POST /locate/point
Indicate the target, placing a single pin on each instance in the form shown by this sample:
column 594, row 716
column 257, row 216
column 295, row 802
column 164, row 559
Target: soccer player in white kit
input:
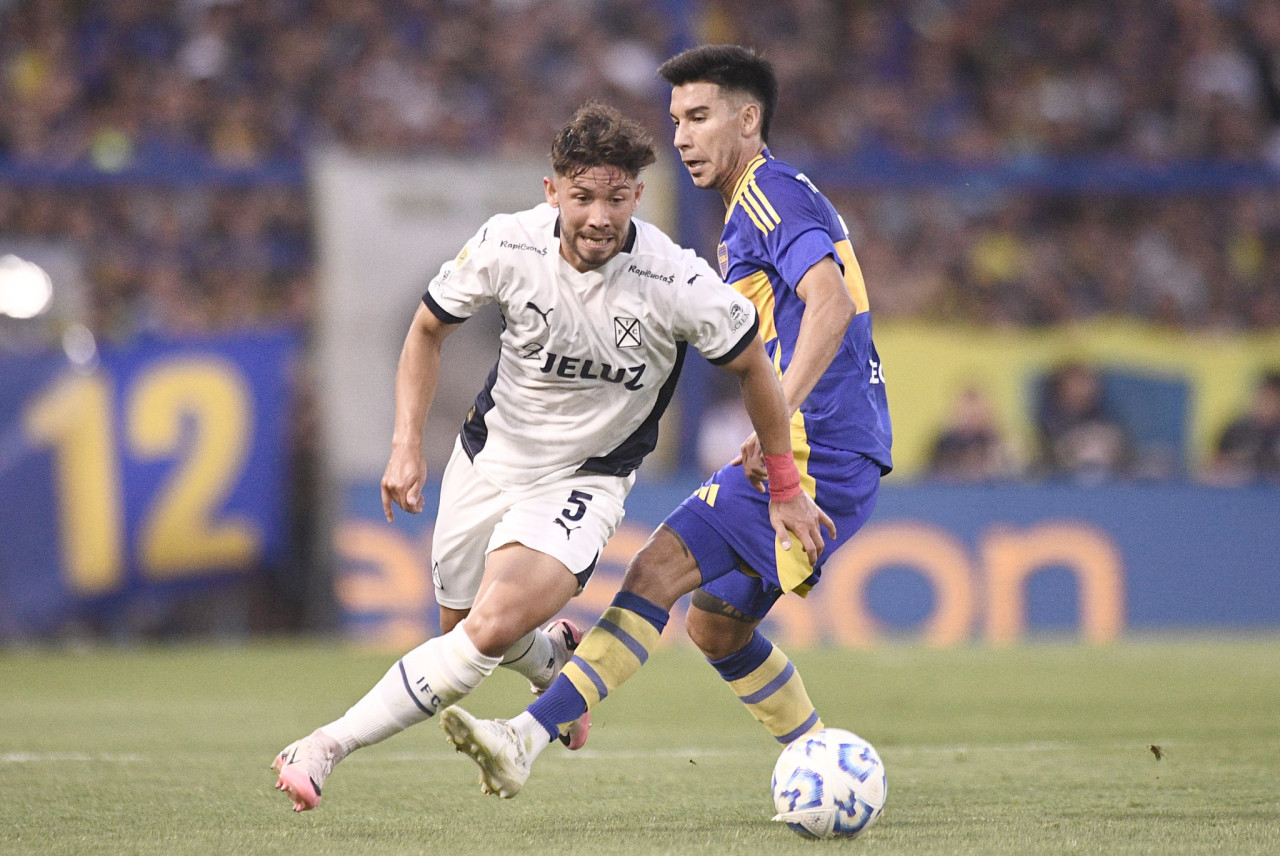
column 598, row 309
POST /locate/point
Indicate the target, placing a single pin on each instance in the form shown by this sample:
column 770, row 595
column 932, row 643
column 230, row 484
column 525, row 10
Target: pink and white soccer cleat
column 303, row 766
column 565, row 636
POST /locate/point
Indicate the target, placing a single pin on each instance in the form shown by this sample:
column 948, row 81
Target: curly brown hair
column 599, row 135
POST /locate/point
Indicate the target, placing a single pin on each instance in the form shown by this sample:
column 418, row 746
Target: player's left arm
column 790, row 509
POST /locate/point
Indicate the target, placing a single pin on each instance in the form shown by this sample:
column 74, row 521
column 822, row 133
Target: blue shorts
column 725, row 524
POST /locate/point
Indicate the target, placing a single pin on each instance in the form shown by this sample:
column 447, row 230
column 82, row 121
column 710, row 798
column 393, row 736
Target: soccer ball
column 829, row 784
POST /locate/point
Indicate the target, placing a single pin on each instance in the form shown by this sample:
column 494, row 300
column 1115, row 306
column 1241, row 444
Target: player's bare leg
column 451, row 618
column 718, row 628
column 521, row 590
column 539, row 655
column 610, row 653
column 523, row 585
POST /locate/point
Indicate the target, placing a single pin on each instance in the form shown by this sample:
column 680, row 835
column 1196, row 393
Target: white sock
column 533, row 656
column 436, row 674
column 530, row 731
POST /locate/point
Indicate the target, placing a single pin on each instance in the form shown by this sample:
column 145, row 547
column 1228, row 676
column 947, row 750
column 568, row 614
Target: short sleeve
column 464, row 284
column 801, row 238
column 711, row 315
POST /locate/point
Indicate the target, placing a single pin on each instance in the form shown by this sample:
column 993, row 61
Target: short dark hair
column 599, row 135
column 731, row 67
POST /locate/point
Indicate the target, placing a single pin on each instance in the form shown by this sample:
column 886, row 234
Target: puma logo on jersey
column 568, row 530
column 531, row 305
column 587, row 369
column 692, row 278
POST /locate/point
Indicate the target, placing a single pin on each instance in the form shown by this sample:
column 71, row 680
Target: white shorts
column 570, row 520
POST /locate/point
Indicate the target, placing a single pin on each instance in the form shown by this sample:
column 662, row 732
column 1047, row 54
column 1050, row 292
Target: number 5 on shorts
column 578, row 505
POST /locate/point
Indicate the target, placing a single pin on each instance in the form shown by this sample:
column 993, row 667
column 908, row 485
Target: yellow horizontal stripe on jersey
column 759, row 291
column 853, row 281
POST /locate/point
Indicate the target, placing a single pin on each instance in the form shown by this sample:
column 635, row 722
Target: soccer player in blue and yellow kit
column 784, row 247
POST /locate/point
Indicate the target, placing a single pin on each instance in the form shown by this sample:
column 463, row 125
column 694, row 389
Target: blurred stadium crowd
column 134, row 92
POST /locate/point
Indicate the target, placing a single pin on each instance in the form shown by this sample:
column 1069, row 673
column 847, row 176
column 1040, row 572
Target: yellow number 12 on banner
column 197, row 412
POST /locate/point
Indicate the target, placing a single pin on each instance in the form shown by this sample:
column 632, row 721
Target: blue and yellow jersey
column 778, row 226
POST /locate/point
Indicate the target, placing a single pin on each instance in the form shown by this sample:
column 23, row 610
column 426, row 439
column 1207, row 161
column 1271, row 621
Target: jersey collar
column 747, row 174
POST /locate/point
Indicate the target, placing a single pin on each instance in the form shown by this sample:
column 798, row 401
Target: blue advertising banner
column 162, row 465
column 943, row 565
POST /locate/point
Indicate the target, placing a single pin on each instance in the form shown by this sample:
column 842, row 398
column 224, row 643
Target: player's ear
column 549, row 189
column 639, row 190
column 751, row 117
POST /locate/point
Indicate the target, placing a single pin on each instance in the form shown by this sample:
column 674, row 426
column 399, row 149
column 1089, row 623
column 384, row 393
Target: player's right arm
column 416, row 378
column 828, row 311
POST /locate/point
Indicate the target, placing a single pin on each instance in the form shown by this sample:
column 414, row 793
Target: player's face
column 717, row 135
column 595, row 213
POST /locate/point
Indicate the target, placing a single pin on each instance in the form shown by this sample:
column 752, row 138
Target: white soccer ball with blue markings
column 829, row 784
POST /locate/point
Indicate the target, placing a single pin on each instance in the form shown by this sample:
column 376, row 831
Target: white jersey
column 588, row 361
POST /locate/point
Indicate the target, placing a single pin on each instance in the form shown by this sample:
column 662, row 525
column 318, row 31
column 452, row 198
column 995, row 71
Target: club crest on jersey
column 737, row 316
column 722, row 256
column 626, row 332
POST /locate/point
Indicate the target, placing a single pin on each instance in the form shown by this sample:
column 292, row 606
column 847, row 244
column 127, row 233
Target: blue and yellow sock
column 608, row 655
column 766, row 681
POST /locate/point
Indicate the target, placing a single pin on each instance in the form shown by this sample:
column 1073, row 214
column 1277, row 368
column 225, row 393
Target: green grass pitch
column 1042, row 748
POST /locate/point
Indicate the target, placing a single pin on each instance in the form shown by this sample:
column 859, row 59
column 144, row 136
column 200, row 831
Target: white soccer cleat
column 565, row 636
column 495, row 747
column 303, row 766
